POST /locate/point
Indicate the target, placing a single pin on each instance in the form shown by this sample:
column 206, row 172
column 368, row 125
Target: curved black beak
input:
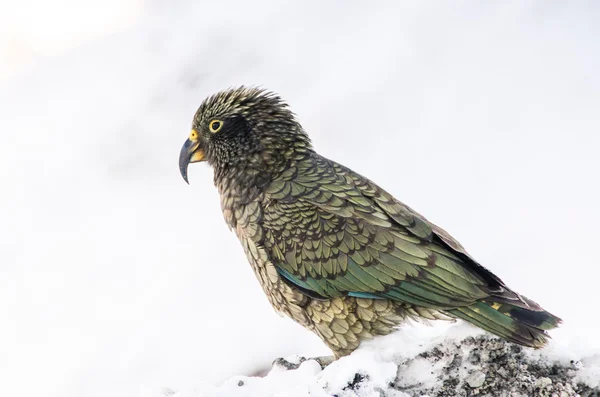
column 191, row 152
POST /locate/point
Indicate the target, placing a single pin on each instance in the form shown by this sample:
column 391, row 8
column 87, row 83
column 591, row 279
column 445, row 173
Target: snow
column 278, row 383
column 377, row 366
column 586, row 356
column 119, row 279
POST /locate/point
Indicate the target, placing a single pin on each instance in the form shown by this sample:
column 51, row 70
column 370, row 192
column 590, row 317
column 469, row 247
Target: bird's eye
column 215, row 126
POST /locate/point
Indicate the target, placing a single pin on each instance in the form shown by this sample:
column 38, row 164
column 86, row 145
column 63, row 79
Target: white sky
column 33, row 28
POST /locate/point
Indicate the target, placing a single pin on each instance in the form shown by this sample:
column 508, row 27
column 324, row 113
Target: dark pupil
column 215, row 125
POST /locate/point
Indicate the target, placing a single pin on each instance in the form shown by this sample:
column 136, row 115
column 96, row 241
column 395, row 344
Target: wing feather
column 333, row 232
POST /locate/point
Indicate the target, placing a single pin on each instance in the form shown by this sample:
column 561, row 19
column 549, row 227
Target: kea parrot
column 330, row 248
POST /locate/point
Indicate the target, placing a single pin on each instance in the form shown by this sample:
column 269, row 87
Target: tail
column 522, row 324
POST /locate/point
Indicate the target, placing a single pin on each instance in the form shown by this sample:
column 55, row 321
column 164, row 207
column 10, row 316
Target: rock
column 543, row 382
column 476, row 379
column 488, row 366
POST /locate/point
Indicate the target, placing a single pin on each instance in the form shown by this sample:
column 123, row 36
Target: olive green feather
column 332, row 249
column 377, row 247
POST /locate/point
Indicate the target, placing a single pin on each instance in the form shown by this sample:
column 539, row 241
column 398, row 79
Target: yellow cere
column 193, row 136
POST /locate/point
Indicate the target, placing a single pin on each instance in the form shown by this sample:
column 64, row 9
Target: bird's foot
column 323, row 361
column 288, row 365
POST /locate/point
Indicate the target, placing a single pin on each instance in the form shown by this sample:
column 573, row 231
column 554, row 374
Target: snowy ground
column 441, row 361
column 117, row 278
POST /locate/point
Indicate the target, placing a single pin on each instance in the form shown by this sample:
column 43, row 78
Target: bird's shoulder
column 317, row 183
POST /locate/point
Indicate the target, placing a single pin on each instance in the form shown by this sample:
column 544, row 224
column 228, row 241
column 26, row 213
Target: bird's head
column 243, row 129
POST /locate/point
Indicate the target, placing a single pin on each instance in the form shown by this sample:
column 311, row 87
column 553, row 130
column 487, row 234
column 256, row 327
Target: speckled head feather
column 257, row 131
column 247, row 101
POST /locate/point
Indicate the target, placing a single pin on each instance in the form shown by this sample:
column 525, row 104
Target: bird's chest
column 242, row 217
column 246, row 219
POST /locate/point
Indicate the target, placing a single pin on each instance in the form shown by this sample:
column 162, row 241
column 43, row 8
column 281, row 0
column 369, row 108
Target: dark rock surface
column 487, row 366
